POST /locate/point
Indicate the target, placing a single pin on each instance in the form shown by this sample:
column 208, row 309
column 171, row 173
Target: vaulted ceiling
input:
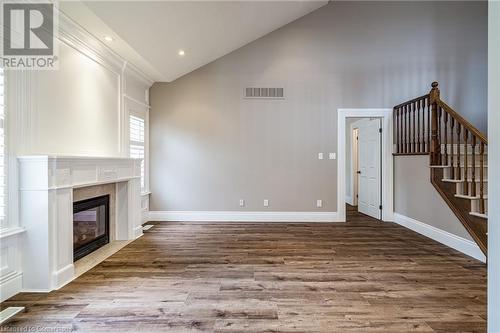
column 150, row 34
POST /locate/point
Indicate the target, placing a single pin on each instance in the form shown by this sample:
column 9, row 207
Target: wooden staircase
column 458, row 157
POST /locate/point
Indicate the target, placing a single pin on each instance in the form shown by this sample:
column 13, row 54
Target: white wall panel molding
column 10, row 270
column 20, row 110
column 11, row 231
column 136, row 101
column 19, row 136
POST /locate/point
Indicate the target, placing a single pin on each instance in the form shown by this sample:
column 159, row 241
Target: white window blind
column 3, row 183
column 137, row 143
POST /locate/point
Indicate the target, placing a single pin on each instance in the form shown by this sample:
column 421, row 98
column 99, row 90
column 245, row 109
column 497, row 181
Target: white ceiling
column 150, row 33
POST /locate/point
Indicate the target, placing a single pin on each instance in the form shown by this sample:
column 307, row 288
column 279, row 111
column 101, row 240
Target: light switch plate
column 332, row 156
column 320, row 156
column 266, row 203
column 242, row 203
column 319, row 203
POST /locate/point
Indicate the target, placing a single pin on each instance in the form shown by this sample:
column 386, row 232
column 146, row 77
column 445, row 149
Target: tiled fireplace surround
column 49, row 187
column 89, row 192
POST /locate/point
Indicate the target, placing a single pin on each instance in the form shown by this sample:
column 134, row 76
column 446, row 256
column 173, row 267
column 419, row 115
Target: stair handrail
column 481, row 136
column 436, row 106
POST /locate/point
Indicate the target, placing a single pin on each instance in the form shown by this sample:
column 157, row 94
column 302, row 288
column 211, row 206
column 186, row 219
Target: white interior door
column 369, row 172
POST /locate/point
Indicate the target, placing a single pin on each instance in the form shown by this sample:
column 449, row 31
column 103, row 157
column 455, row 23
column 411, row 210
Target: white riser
column 462, row 160
column 462, row 148
column 447, row 173
column 475, row 206
column 460, row 189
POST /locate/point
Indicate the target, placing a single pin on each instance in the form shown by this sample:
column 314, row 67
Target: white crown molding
column 83, row 41
column 134, row 71
column 458, row 243
column 238, row 216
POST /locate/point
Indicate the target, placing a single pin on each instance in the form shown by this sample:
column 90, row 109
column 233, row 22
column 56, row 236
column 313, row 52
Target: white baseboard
column 348, row 199
column 63, row 276
column 144, row 216
column 238, row 216
column 458, row 243
column 41, row 291
column 10, row 285
column 138, row 232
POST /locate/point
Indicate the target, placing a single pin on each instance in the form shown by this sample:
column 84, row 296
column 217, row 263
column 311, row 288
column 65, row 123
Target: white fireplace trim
column 46, row 210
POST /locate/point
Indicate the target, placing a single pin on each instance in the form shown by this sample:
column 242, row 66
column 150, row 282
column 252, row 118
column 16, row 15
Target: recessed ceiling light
column 108, row 38
column 181, row 53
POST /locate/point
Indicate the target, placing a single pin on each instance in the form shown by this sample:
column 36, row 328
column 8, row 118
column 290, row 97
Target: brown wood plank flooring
column 362, row 276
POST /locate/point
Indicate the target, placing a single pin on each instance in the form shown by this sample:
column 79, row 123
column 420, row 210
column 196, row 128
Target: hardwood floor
column 361, row 276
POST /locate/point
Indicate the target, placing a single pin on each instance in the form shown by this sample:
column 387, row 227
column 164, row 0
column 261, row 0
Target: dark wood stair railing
column 458, row 156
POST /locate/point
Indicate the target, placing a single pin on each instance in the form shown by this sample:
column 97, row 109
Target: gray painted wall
column 422, row 203
column 210, row 147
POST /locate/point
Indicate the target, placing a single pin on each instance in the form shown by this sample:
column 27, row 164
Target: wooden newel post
column 435, row 144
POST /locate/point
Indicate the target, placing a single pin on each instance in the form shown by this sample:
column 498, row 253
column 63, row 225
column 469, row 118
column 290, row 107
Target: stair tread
column 484, row 216
column 463, row 153
column 464, row 196
column 455, row 166
column 469, row 180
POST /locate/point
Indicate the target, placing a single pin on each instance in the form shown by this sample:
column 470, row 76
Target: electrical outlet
column 266, row 203
column 332, row 156
column 320, row 156
column 242, row 203
column 319, row 203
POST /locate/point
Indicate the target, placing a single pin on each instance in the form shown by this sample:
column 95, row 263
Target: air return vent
column 272, row 93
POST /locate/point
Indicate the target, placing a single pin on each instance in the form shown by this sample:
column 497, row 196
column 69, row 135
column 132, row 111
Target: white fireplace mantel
column 46, row 206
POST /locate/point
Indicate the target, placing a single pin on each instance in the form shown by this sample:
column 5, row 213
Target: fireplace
column 90, row 225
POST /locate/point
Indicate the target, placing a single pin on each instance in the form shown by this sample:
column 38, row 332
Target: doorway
column 375, row 191
column 364, row 150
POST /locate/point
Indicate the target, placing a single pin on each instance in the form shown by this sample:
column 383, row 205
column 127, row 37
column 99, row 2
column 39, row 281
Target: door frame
column 387, row 161
column 353, row 182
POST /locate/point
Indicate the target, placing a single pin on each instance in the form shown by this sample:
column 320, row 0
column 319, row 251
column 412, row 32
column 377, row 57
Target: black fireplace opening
column 90, row 225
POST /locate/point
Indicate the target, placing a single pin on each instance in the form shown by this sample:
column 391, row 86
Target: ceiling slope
column 150, row 34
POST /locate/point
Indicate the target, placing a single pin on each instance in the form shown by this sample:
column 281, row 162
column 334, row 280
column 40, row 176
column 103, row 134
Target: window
column 3, row 175
column 137, row 144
